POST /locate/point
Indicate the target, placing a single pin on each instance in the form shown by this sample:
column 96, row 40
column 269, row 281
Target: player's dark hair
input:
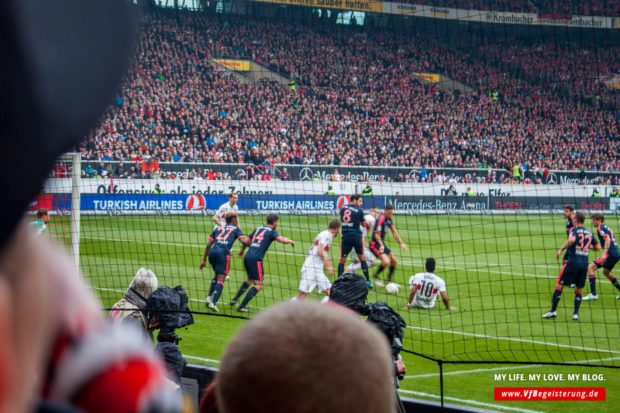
column 272, row 219
column 430, row 264
column 569, row 207
column 355, row 197
column 231, row 219
column 41, row 213
column 233, row 193
column 599, row 217
column 334, row 224
column 389, row 207
column 580, row 217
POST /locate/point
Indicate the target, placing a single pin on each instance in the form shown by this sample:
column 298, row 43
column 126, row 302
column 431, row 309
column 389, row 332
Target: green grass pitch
column 500, row 272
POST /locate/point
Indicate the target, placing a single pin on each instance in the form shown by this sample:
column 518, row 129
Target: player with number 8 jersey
column 352, row 219
column 576, row 268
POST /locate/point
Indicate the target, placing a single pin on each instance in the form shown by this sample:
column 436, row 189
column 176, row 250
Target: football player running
column 312, row 274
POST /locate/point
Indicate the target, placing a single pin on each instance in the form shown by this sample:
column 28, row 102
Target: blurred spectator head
column 313, row 358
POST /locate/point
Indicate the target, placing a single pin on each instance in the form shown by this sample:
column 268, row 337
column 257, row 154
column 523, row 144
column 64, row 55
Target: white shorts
column 312, row 278
column 367, row 255
column 421, row 304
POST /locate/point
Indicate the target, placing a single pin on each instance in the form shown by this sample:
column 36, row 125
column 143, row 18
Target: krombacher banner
column 239, row 65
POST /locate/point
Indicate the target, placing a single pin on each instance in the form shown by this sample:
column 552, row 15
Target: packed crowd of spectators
column 579, row 8
column 575, row 69
column 357, row 103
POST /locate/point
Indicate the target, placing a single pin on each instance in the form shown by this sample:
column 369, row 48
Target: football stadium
column 441, row 179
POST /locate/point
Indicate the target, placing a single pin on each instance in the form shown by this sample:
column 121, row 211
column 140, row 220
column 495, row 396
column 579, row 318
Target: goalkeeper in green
column 40, row 224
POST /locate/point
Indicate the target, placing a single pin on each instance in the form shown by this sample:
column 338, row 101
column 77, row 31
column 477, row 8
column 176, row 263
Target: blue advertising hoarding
column 194, row 202
column 320, row 203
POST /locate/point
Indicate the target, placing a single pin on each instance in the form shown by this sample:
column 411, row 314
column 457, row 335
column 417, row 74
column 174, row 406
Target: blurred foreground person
column 61, row 350
column 59, row 355
column 304, row 357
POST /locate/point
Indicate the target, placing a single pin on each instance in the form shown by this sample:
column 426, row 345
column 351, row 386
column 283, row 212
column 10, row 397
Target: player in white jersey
column 312, row 275
column 370, row 219
column 425, row 287
column 225, row 210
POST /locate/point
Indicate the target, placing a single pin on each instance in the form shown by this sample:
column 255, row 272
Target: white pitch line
column 124, row 291
column 411, row 263
column 195, row 300
column 467, row 401
column 522, row 366
column 522, row 340
column 202, row 359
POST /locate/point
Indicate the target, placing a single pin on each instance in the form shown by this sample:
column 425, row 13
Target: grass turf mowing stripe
column 522, row 340
column 295, row 254
column 522, row 366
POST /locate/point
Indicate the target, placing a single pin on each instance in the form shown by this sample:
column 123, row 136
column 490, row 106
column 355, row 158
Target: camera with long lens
column 166, row 336
column 167, row 310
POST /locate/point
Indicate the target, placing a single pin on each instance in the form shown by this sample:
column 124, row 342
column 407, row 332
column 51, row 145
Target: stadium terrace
column 517, row 110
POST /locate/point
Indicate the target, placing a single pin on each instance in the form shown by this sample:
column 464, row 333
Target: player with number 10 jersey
column 425, row 287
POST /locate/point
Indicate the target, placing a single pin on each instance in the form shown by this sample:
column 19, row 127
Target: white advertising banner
column 147, row 186
column 481, row 16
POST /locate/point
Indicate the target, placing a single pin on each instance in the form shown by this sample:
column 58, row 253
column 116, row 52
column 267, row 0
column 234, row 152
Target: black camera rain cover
column 167, row 308
column 388, row 321
column 349, row 290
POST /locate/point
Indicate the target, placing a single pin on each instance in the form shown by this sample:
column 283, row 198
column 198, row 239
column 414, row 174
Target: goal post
column 75, row 207
column 74, row 160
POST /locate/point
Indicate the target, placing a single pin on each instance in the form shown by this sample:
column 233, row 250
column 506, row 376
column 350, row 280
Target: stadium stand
column 354, row 104
column 581, row 8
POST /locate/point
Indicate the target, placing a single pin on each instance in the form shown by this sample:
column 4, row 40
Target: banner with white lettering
column 323, row 203
column 314, row 188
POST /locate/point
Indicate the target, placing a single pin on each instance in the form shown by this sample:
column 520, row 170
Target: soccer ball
column 391, row 288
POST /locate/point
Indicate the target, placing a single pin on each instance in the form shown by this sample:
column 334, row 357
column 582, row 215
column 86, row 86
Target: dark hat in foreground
column 64, row 61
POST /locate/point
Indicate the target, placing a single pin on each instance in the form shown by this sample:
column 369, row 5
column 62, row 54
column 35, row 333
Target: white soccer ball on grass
column 391, row 288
